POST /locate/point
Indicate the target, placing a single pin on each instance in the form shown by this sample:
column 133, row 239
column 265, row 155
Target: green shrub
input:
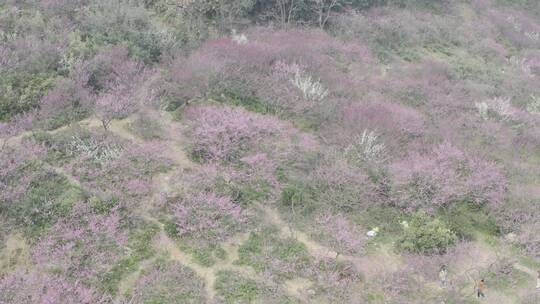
column 64, row 118
column 239, row 92
column 103, row 206
column 236, row 289
column 296, row 197
column 244, row 194
column 468, row 66
column 49, row 197
column 466, row 219
column 172, row 103
column 170, row 229
column 424, row 234
column 140, row 241
column 250, row 102
column 117, row 23
column 146, row 127
column 21, row 93
column 203, row 255
column 264, row 247
column 386, row 218
column 111, row 280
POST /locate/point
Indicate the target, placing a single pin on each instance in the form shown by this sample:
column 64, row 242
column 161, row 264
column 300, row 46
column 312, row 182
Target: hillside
column 278, row 151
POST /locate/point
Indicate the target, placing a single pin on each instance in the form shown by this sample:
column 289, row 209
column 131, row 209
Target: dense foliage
column 268, row 151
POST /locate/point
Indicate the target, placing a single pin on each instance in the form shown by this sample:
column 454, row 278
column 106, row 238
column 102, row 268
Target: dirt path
column 297, row 287
column 15, row 254
column 60, row 171
column 382, row 262
column 164, row 185
column 479, row 258
column 287, row 230
column 173, row 134
column 166, row 245
column 129, row 281
column 526, row 270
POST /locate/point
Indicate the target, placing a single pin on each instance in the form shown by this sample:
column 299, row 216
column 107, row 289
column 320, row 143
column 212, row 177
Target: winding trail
column 372, row 265
column 526, row 270
column 287, row 230
column 15, row 254
column 164, row 183
column 129, row 281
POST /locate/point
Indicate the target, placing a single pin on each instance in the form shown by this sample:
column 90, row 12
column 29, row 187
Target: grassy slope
column 224, row 278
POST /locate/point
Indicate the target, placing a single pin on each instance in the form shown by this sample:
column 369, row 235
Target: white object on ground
column 239, row 38
column 511, row 237
column 373, row 232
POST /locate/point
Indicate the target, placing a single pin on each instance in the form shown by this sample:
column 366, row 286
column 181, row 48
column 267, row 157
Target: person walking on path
column 481, row 289
column 443, row 276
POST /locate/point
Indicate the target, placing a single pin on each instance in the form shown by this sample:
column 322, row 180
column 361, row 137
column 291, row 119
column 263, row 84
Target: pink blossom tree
column 223, row 67
column 167, row 282
column 68, row 101
column 112, row 167
column 445, row 175
column 398, row 121
column 225, row 134
column 341, row 234
column 82, row 245
column 115, row 104
column 207, row 217
column 334, row 281
column 17, row 124
column 341, row 184
column 14, row 177
column 44, row 288
column 113, row 79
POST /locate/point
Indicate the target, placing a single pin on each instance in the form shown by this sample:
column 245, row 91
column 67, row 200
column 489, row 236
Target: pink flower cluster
column 335, row 281
column 112, row 78
column 226, row 134
column 83, row 244
column 18, row 124
column 342, row 235
column 223, row 64
column 207, row 216
column 42, row 288
column 14, row 178
column 387, row 117
column 67, row 95
column 445, row 175
column 167, row 282
column 127, row 174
